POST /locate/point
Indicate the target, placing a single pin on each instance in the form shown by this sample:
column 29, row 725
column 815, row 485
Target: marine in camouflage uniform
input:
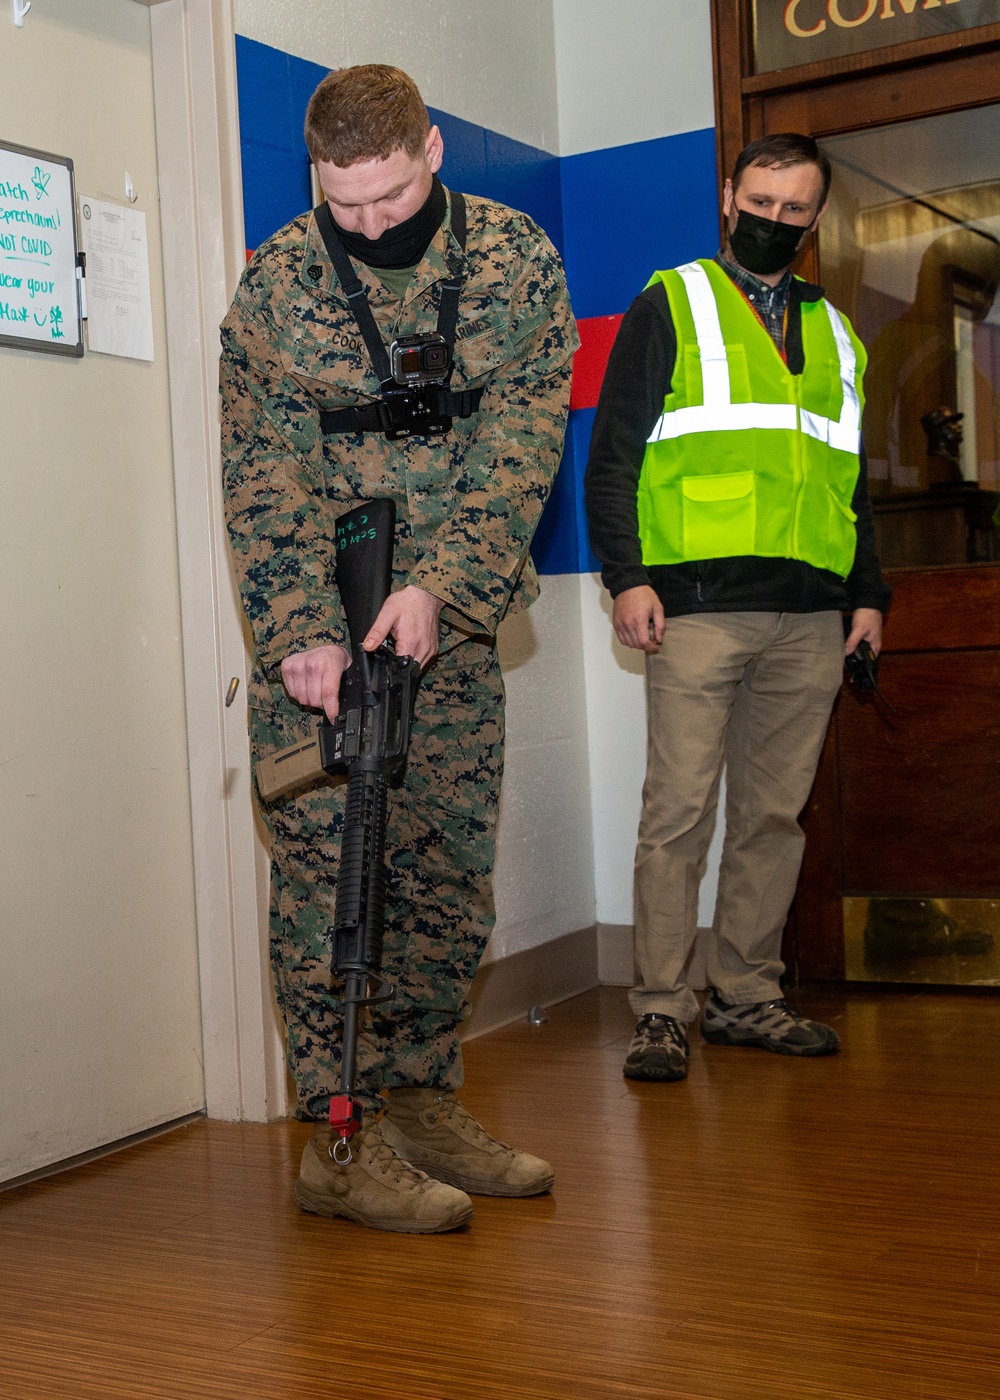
column 466, row 508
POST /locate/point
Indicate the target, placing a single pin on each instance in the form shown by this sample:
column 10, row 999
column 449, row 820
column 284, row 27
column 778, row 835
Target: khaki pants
column 751, row 691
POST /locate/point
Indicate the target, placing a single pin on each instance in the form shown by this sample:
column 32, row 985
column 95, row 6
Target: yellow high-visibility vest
column 746, row 457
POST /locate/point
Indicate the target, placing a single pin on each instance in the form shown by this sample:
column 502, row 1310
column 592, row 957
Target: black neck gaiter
column 404, row 245
column 764, row 246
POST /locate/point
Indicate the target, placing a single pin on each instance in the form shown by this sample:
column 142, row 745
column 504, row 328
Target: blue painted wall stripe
column 480, row 161
column 632, row 209
column 561, row 544
column 273, row 90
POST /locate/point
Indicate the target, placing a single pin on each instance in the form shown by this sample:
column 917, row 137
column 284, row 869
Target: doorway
column 900, row 881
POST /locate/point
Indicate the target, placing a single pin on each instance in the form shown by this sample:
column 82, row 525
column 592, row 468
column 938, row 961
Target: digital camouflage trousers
column 440, row 844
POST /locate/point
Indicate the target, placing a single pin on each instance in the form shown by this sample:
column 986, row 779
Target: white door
column 100, row 1030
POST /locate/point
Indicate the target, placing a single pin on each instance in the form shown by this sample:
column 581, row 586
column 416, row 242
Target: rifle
column 369, row 741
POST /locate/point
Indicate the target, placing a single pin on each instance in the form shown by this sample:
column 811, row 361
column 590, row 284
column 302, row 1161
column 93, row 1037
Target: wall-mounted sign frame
column 40, row 273
column 787, row 33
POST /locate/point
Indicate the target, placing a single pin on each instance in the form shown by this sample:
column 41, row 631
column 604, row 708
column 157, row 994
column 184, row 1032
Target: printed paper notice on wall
column 120, row 312
column 39, row 291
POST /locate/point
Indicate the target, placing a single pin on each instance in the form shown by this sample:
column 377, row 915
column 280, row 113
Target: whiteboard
column 39, row 289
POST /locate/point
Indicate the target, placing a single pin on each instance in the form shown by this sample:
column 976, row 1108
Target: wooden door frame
column 204, row 252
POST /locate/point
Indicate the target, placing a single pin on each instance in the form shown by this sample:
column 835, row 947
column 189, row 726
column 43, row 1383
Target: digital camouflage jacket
column 466, row 504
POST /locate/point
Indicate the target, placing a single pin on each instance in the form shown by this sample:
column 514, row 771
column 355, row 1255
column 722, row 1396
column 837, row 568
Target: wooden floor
column 770, row 1230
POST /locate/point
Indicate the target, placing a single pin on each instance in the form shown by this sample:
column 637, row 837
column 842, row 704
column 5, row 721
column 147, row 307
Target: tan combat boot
column 431, row 1129
column 377, row 1187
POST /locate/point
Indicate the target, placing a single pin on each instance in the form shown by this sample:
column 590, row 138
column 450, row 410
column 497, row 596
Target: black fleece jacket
column 637, row 381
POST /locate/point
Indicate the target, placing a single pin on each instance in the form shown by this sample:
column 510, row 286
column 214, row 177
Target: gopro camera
column 421, row 366
column 420, row 359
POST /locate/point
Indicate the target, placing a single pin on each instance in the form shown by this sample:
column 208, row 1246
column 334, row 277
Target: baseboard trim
column 616, row 959
column 506, row 990
column 82, row 1158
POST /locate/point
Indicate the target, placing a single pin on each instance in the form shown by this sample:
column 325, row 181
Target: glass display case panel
column 910, row 249
column 946, row 942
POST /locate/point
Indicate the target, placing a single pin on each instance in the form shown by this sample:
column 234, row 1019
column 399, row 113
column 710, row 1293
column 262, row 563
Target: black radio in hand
column 861, row 666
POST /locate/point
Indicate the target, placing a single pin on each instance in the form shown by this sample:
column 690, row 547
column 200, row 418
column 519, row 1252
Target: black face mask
column 763, row 246
column 406, row 244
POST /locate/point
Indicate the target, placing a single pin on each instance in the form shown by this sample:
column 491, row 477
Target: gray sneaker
column 659, row 1049
column 772, row 1025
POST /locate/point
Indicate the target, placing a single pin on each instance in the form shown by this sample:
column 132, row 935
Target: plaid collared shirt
column 770, row 303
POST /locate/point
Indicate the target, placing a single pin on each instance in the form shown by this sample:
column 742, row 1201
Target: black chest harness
column 415, row 372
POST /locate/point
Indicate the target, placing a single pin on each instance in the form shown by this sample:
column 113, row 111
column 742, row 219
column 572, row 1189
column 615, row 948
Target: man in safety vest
column 728, row 504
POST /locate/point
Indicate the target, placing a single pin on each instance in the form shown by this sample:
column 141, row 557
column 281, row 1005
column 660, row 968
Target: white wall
column 631, row 70
column 204, row 252
column 628, row 70
column 616, row 744
column 544, row 872
column 491, row 63
column 100, row 1032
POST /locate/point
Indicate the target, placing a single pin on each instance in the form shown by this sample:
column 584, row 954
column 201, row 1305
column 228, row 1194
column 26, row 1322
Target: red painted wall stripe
column 597, row 335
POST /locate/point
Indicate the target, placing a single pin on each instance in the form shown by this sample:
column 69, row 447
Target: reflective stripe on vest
column 717, row 413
